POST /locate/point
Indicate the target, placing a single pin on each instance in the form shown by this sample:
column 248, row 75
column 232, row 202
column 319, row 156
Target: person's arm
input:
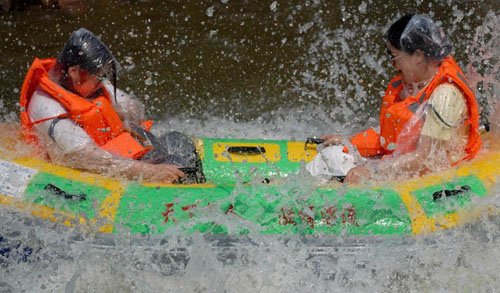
column 91, row 158
column 69, row 144
column 79, row 151
column 332, row 139
column 446, row 111
column 366, row 142
column 409, row 164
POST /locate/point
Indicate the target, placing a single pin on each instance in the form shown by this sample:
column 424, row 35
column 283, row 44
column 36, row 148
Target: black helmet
column 88, row 52
column 85, row 50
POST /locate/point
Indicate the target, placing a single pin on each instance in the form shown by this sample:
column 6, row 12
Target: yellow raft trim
column 200, row 149
column 297, row 152
column 485, row 168
column 42, row 212
column 108, row 207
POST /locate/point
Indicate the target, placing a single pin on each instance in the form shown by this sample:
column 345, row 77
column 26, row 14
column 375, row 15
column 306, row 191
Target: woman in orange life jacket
column 429, row 115
column 71, row 110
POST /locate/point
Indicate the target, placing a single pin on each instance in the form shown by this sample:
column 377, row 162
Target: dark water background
column 239, row 60
column 306, row 66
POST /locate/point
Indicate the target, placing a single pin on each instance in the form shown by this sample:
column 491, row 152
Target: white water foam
column 66, row 259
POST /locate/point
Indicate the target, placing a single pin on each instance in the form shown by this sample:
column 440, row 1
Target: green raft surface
column 229, row 204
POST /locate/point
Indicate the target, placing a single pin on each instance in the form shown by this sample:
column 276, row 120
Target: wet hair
column 419, row 32
column 393, row 34
column 84, row 49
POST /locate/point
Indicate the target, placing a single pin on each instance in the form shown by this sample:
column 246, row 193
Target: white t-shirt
column 445, row 122
column 449, row 103
column 65, row 133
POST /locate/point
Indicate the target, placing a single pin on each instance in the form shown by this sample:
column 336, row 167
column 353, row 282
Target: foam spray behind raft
column 68, row 259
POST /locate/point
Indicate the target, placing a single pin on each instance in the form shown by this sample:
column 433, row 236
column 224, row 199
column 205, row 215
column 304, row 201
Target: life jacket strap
column 61, row 116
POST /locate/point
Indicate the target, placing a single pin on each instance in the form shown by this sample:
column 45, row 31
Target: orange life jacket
column 395, row 114
column 96, row 117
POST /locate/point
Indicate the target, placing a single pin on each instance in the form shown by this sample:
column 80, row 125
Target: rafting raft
column 238, row 198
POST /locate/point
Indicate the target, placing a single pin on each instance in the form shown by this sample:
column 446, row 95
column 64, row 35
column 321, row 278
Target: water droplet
column 274, row 6
column 210, row 11
column 213, row 33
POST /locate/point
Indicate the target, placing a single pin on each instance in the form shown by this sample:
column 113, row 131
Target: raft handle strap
column 246, row 150
column 57, row 191
column 450, row 192
column 313, row 140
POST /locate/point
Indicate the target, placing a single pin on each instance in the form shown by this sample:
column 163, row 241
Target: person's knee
column 179, row 142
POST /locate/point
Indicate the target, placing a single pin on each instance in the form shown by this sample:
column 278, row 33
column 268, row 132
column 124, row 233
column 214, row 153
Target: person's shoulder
column 448, row 103
column 42, row 105
column 41, row 96
column 447, row 93
column 448, row 88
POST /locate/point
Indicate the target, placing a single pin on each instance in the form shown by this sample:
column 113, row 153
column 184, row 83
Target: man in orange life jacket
column 71, row 110
column 429, row 116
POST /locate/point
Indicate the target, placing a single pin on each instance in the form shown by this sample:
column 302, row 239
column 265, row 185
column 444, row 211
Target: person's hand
column 164, row 173
column 331, row 139
column 357, row 174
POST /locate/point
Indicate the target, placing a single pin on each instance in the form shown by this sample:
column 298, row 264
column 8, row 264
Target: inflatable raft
column 238, row 198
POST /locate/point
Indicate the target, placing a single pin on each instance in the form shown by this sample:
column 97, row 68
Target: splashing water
column 319, row 91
